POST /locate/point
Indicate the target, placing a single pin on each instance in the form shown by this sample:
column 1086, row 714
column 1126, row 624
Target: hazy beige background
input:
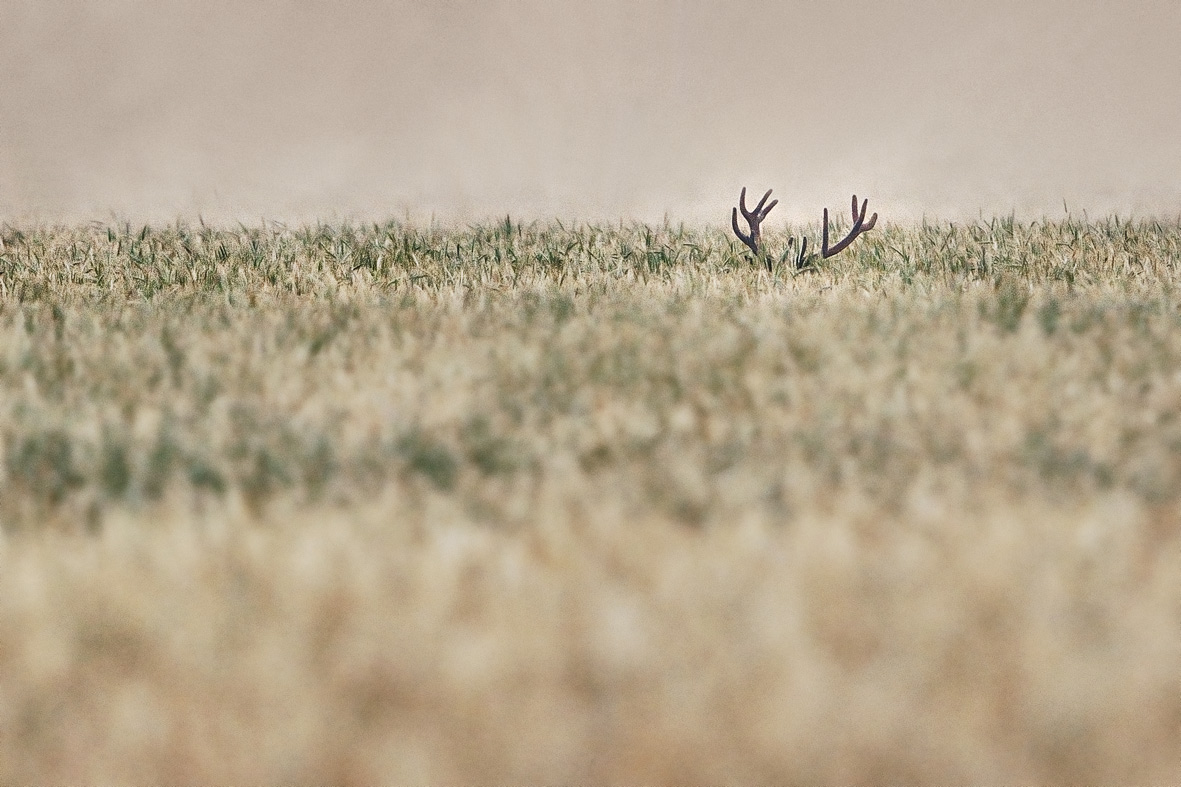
column 464, row 109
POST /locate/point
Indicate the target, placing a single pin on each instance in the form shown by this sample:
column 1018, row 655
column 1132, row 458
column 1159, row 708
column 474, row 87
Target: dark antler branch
column 860, row 225
column 802, row 257
column 754, row 218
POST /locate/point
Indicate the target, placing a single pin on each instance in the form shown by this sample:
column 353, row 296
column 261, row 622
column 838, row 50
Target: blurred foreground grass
column 608, row 503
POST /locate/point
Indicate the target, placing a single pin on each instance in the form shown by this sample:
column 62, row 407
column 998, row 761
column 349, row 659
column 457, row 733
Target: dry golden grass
column 595, row 504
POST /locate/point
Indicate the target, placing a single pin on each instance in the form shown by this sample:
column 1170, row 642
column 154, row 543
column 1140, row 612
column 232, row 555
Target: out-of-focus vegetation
column 597, row 503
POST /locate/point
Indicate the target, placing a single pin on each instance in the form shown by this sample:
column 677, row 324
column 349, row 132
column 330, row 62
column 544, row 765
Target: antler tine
column 861, row 217
column 859, row 226
column 758, row 212
column 763, row 201
column 753, row 218
column 747, row 239
column 824, row 238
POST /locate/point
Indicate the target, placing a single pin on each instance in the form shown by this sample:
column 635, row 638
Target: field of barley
column 546, row 503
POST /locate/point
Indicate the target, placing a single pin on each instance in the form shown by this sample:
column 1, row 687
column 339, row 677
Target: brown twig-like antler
column 753, row 218
column 860, row 225
column 803, row 262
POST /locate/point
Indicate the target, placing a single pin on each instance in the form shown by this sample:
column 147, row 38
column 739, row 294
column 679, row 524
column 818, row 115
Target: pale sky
column 467, row 109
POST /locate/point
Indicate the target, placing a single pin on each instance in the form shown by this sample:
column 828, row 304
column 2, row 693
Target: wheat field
column 547, row 503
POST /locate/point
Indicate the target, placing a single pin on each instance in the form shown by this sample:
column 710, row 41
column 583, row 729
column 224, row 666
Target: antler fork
column 859, row 226
column 753, row 218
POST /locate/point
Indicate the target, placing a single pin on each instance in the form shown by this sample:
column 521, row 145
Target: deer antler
column 801, row 258
column 753, row 218
column 859, row 226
